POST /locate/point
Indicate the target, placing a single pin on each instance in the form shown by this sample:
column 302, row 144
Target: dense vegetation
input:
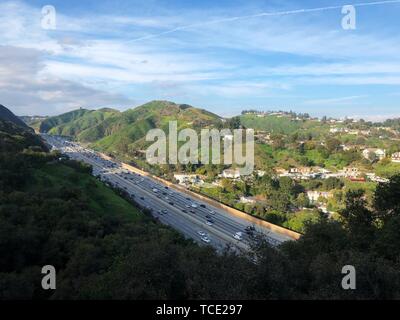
column 54, row 212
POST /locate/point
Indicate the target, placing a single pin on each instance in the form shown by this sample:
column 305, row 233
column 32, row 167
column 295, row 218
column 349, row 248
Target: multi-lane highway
column 199, row 221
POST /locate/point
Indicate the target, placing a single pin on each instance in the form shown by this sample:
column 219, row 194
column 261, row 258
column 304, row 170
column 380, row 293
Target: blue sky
column 219, row 55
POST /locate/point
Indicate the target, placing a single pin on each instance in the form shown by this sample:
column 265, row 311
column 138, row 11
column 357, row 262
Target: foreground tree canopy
column 54, row 212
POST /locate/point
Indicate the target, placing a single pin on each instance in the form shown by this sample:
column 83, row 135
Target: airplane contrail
column 262, row 14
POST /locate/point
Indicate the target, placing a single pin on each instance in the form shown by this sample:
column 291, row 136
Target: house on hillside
column 281, row 171
column 301, row 170
column 370, row 153
column 351, row 172
column 315, row 196
column 396, row 157
column 230, row 174
column 247, row 200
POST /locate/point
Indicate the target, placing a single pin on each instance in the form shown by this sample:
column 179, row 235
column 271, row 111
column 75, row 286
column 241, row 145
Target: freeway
column 196, row 220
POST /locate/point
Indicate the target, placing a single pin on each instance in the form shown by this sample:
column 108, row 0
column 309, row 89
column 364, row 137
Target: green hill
column 74, row 122
column 7, row 115
column 124, row 132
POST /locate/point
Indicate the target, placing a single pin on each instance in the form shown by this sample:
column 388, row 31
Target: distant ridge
column 7, row 115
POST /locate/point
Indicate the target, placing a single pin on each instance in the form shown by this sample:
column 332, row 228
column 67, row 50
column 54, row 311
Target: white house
column 230, row 174
column 378, row 153
column 247, row 200
column 314, row 196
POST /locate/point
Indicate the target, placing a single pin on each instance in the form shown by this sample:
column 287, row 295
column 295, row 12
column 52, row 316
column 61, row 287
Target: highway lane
column 178, row 205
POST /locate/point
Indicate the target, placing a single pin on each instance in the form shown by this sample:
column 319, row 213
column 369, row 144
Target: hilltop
column 7, row 115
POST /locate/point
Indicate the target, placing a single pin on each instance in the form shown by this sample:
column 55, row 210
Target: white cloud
column 27, row 90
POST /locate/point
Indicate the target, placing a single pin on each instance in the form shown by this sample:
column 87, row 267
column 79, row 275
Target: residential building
column 396, row 157
column 230, row 174
column 351, row 172
column 370, row 153
column 314, row 196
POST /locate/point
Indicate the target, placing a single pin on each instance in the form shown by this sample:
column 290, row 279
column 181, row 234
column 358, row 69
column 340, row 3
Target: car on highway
column 205, row 239
column 209, row 222
column 194, row 205
column 202, row 233
column 250, row 229
column 164, row 211
column 238, row 235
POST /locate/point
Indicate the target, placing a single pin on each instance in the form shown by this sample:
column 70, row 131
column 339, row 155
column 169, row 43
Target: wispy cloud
column 333, row 101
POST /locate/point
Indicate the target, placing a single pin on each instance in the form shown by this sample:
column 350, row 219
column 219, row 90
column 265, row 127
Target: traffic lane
column 220, row 226
column 116, row 180
column 182, row 205
column 180, row 201
column 228, row 220
column 213, row 232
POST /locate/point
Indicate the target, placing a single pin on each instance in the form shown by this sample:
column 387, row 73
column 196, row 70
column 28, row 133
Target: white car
column 238, row 236
column 209, row 223
column 194, row 205
column 202, row 233
column 205, row 239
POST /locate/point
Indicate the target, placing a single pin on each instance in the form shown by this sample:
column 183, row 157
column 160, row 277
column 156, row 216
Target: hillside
column 278, row 124
column 7, row 115
column 74, row 122
column 124, row 132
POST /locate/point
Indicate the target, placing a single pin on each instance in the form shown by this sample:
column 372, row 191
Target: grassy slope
column 101, row 199
column 127, row 131
column 85, row 121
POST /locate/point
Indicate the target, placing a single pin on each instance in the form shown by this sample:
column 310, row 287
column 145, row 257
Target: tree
column 332, row 183
column 302, row 201
column 234, row 123
column 387, row 198
column 358, row 219
column 333, row 145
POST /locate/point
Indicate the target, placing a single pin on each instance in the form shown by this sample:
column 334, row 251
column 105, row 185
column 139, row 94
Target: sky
column 223, row 56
